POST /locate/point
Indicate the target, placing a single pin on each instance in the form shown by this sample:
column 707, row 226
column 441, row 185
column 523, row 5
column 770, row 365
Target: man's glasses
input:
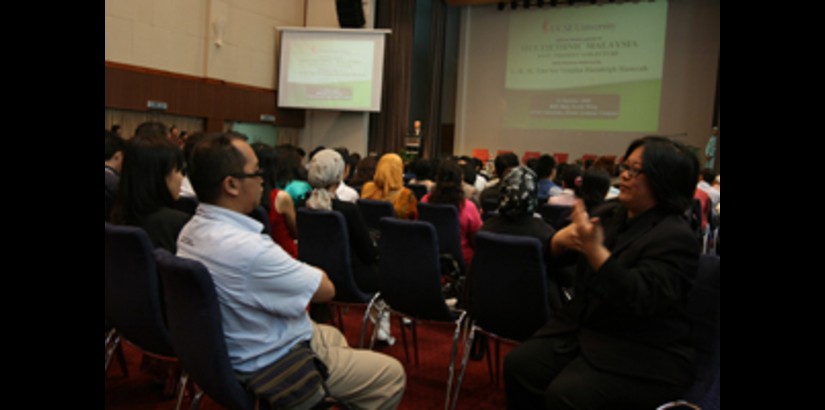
column 259, row 174
column 633, row 172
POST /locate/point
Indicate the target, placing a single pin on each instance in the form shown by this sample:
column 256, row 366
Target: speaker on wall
column 350, row 13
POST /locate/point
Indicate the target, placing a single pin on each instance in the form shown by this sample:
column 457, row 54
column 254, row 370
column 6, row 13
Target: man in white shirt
column 262, row 291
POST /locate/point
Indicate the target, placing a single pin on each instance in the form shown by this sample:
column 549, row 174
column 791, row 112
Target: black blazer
column 630, row 316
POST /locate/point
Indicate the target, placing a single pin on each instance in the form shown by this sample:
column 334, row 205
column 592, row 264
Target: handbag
column 295, row 381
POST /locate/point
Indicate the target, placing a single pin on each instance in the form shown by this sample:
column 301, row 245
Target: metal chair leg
column 184, row 378
column 404, row 337
column 453, row 353
column 366, row 318
column 467, row 346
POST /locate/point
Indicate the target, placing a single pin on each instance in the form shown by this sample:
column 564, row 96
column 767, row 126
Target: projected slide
column 331, row 69
column 586, row 68
column 331, row 74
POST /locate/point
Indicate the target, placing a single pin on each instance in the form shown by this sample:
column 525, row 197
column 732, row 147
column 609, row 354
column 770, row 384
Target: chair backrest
column 508, row 288
column 373, row 211
column 557, row 216
column 528, row 155
column 323, row 241
column 561, row 157
column 418, row 190
column 703, row 309
column 197, row 330
column 410, row 270
column 445, row 220
column 132, row 290
column 261, row 216
column 483, row 154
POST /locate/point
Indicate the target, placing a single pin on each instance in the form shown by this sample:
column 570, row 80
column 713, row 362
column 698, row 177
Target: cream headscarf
column 326, row 168
column 389, row 176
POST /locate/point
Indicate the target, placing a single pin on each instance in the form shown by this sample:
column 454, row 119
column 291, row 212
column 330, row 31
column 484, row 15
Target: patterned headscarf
column 326, row 168
column 518, row 195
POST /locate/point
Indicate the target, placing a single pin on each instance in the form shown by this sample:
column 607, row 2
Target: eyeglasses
column 632, row 172
column 259, row 174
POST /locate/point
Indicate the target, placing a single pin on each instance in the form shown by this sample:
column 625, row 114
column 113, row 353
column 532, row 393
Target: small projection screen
column 332, row 69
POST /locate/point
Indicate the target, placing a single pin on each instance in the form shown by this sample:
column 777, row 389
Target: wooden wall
column 130, row 87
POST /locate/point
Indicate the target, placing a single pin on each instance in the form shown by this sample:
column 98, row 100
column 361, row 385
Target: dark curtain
column 389, row 127
column 432, row 122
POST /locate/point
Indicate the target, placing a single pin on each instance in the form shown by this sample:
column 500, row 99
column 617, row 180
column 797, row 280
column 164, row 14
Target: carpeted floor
column 426, row 382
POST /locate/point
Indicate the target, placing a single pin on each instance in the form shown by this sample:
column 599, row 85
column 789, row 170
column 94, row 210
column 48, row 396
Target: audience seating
column 444, row 219
column 261, row 216
column 418, row 190
column 704, row 310
column 528, row 155
column 373, row 211
column 561, row 157
column 324, row 242
column 557, row 216
column 411, row 285
column 508, row 292
column 483, row 154
column 197, row 332
column 132, row 294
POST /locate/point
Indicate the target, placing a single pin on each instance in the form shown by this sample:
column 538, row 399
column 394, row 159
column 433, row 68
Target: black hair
column 708, row 175
column 505, row 161
column 364, row 170
column 448, row 189
column 153, row 129
column 316, row 150
column 193, row 139
column 594, row 187
column 147, row 161
column 288, row 166
column 423, row 169
column 213, row 159
column 671, row 170
column 268, row 163
column 569, row 175
column 113, row 143
column 469, row 173
column 545, row 166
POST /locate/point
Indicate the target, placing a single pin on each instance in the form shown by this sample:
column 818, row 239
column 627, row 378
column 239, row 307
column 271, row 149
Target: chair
column 133, row 294
column 704, row 310
column 508, row 292
column 261, row 216
column 445, row 220
column 557, row 216
column 589, row 157
column 418, row 190
column 197, row 331
column 528, row 155
column 483, row 154
column 373, row 211
column 324, row 241
column 411, row 281
column 561, row 157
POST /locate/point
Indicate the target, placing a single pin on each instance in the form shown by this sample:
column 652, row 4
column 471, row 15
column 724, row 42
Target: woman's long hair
column 147, row 161
column 448, row 189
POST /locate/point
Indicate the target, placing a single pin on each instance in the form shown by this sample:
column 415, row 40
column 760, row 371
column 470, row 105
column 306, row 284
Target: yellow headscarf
column 389, row 176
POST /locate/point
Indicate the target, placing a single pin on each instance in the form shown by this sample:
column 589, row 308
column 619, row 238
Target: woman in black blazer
column 623, row 341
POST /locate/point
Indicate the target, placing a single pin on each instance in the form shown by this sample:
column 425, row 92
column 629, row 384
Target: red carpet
column 426, row 382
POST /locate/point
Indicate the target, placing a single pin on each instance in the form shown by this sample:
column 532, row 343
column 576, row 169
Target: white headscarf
column 326, row 168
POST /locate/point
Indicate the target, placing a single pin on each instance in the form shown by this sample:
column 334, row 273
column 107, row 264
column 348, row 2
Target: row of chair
column 410, row 267
column 167, row 306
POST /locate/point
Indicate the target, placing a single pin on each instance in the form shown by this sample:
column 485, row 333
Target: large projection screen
column 331, row 69
column 586, row 79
